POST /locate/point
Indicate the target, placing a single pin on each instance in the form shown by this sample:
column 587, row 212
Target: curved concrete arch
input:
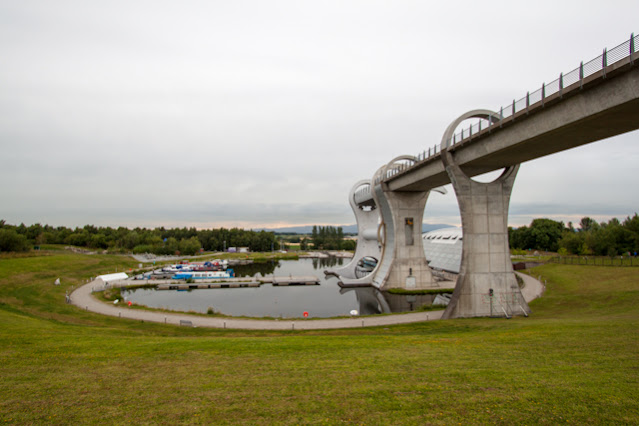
column 486, row 284
column 380, row 203
column 367, row 224
column 378, row 174
column 447, row 157
column 396, row 159
column 485, row 114
column 358, row 185
column 385, row 237
column 442, row 190
column 387, row 251
column 381, row 227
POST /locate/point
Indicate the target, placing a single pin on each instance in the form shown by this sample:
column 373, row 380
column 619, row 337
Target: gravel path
column 532, row 287
column 83, row 298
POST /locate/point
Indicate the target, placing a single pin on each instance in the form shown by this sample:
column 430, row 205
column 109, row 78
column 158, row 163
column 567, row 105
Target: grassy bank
column 574, row 360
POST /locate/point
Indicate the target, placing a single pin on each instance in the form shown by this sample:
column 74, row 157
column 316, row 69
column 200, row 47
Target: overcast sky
column 265, row 113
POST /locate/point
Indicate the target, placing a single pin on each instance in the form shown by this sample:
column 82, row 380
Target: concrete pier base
column 403, row 263
column 486, row 285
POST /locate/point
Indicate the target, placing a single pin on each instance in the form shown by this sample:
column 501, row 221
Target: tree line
column 590, row 238
column 330, row 238
column 186, row 241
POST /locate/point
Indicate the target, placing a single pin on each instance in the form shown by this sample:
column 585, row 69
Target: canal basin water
column 320, row 301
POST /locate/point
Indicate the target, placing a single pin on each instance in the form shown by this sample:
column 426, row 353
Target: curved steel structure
column 367, row 217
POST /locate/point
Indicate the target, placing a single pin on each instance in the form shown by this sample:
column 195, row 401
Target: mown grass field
column 574, row 361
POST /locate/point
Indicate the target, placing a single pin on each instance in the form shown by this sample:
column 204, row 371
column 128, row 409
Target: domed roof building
column 443, row 249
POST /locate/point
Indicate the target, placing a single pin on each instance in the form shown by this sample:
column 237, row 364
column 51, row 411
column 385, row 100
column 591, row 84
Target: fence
column 596, row 260
column 537, row 98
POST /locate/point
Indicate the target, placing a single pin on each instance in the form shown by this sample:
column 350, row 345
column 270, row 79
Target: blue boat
column 204, row 275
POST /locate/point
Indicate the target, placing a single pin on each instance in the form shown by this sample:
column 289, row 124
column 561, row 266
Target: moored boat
column 204, row 275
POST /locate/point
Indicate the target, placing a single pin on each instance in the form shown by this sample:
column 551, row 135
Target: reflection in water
column 327, row 262
column 264, row 268
column 320, row 301
column 269, row 268
column 408, row 302
column 372, row 301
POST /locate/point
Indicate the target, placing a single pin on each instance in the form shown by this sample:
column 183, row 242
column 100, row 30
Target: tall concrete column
column 486, row 285
column 403, row 263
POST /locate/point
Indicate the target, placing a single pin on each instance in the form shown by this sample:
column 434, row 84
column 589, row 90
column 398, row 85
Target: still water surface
column 320, row 301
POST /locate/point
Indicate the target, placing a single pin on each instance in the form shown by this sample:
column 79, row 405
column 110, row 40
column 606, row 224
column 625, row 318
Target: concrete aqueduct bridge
column 597, row 100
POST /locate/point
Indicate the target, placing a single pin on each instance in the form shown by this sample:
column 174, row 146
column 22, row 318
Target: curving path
column 83, row 298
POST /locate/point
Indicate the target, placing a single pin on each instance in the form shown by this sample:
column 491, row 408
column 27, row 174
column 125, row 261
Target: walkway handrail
column 610, row 57
column 363, row 193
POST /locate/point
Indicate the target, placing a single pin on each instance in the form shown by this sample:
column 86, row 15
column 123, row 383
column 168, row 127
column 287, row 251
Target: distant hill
column 348, row 229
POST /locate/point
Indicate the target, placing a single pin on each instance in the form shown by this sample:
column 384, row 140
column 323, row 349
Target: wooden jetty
column 199, row 285
column 237, row 283
column 291, row 280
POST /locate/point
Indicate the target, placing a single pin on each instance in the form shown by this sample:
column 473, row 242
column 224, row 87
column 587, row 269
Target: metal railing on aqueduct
column 532, row 100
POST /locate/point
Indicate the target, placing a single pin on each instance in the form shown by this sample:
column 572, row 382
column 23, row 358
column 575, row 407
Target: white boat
column 204, row 275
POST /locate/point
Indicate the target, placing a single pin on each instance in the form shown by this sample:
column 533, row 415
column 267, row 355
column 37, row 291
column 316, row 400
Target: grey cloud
column 268, row 112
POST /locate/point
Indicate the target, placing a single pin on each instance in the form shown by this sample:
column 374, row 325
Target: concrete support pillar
column 486, row 285
column 408, row 268
column 403, row 264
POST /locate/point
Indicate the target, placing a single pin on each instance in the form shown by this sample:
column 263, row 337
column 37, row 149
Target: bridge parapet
column 623, row 55
column 395, row 167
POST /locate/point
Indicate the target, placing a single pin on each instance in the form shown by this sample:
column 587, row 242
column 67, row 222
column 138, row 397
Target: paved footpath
column 83, row 298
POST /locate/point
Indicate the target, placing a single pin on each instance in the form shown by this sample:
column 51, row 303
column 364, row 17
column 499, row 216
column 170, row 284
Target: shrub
column 10, row 240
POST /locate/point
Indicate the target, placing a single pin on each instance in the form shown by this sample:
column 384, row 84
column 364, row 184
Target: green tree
column 588, row 224
column 545, row 234
column 190, row 246
column 98, row 241
column 170, row 246
column 542, row 234
column 10, row 240
column 571, row 242
column 349, row 245
column 584, row 250
column 520, row 238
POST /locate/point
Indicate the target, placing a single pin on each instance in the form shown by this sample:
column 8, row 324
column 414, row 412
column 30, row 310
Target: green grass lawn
column 574, row 360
